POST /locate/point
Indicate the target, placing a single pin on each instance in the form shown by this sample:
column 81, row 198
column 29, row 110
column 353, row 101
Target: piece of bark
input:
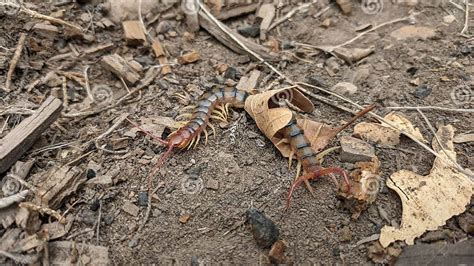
column 20, row 139
column 20, row 170
column 266, row 13
column 120, row 67
column 249, row 83
column 133, row 32
column 59, row 185
column 99, row 48
column 439, row 253
column 160, row 54
column 77, row 254
column 206, row 23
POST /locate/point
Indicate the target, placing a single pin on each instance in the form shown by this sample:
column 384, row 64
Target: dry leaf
column 270, row 118
column 154, row 125
column 384, row 134
column 428, row 201
column 365, row 185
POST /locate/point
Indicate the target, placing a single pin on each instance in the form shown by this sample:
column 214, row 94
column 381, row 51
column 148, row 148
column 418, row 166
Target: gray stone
column 355, row 150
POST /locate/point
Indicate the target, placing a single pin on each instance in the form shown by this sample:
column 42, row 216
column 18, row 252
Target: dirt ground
column 249, row 170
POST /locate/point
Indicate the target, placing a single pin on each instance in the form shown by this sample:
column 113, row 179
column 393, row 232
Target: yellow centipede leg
column 180, row 124
column 206, row 135
column 298, row 169
column 197, row 141
column 213, row 129
column 189, row 107
column 185, row 115
column 190, row 144
column 226, row 106
column 306, row 182
column 222, row 111
column 218, row 118
column 219, row 114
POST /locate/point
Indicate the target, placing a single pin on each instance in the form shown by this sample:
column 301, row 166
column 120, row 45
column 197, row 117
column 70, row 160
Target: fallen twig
column 37, row 15
column 430, row 108
column 14, row 61
column 466, row 18
column 296, row 10
column 43, row 210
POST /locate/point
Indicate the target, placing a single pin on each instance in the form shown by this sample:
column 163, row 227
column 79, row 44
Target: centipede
column 215, row 105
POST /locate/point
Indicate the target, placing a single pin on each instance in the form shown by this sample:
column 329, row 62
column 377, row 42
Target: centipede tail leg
column 316, row 174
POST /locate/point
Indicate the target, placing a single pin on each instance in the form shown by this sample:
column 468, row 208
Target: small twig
column 21, row 259
column 466, row 18
column 14, row 61
column 88, row 86
column 430, row 108
column 120, row 119
column 140, row 18
column 439, row 142
column 294, row 11
column 87, row 230
column 7, row 201
column 65, row 94
column 98, row 221
column 456, row 5
column 4, row 125
column 37, row 15
column 43, row 210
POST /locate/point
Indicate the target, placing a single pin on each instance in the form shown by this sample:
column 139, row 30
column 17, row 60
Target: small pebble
column 422, row 91
column 263, row 229
column 143, row 198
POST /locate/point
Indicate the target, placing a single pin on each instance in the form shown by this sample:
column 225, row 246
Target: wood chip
column 59, row 184
column 190, row 57
column 133, row 32
column 250, row 83
column 184, row 218
column 120, row 67
column 20, row 139
column 266, row 13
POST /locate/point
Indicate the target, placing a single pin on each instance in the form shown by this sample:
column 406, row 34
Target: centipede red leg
column 313, row 175
column 160, row 140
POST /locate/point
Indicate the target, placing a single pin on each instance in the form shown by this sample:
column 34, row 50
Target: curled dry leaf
column 384, row 134
column 365, row 185
column 270, row 118
column 428, row 201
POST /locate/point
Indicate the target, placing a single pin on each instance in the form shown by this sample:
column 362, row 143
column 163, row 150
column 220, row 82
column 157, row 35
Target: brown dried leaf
column 270, row 118
column 384, row 134
column 428, row 201
column 365, row 185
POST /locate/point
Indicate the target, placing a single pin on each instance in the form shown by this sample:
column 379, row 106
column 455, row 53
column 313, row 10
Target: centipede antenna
column 162, row 160
column 357, row 116
column 160, row 140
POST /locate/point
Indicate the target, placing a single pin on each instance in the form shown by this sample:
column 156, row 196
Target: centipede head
column 314, row 175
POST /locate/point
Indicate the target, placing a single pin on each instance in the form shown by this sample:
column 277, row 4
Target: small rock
column 332, row 66
column 184, row 218
column 412, row 70
column 317, row 81
column 344, row 88
column 326, row 23
column 163, row 27
column 345, row 234
column 263, row 229
column 231, row 73
column 130, row 208
column 465, row 50
column 277, row 252
column 249, row 31
column 95, row 205
column 100, row 180
column 422, row 91
column 355, row 150
column 90, row 173
column 190, row 57
column 466, row 222
column 449, row 19
column 415, row 82
column 143, row 198
column 212, row 184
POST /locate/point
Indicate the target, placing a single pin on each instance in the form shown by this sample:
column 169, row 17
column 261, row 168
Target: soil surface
column 249, row 170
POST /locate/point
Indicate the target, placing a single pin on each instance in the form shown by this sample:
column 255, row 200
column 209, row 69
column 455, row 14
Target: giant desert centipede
column 215, row 103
